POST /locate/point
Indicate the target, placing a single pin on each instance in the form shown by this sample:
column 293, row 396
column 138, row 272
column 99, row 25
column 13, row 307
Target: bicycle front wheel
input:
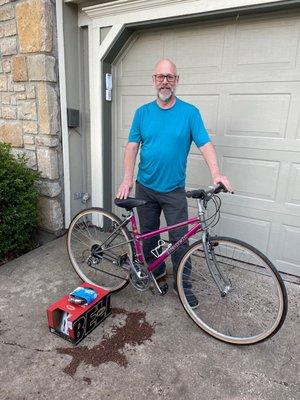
column 97, row 248
column 254, row 305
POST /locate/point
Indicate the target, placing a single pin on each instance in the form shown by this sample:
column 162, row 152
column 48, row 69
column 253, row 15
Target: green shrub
column 18, row 203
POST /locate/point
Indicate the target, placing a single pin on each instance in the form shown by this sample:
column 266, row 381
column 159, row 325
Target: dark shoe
column 158, row 275
column 191, row 298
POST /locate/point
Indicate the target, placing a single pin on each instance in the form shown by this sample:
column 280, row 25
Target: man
column 165, row 129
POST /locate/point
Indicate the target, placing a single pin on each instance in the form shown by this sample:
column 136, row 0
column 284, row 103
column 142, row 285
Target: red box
column 82, row 319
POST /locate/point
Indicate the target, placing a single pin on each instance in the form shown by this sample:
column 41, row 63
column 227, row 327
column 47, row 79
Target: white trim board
column 63, row 112
column 127, row 11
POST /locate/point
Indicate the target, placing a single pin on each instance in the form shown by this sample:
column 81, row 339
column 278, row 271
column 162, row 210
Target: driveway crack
column 23, row 347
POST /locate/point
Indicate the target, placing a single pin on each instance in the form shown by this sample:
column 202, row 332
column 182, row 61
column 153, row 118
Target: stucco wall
column 29, row 103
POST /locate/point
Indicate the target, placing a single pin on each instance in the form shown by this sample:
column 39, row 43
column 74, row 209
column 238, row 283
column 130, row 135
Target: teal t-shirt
column 165, row 136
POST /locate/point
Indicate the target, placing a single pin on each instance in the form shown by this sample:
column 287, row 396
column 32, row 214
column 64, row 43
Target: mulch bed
column 8, row 257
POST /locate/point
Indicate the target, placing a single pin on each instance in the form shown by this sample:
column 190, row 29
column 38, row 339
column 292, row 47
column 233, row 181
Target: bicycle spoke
column 78, row 226
column 81, row 241
column 87, row 228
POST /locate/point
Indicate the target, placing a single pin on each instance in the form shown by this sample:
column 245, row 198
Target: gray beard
column 163, row 97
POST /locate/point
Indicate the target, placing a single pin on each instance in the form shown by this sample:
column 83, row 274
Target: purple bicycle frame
column 138, row 237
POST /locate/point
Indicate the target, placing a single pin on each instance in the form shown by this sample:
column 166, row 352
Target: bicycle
column 242, row 297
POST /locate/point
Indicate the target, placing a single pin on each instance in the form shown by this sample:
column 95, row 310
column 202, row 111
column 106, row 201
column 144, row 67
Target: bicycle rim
column 255, row 306
column 96, row 246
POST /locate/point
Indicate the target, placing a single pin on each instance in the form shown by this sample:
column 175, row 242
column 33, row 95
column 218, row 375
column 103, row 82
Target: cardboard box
column 81, row 319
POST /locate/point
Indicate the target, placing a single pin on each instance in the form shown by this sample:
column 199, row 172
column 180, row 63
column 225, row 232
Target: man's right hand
column 125, row 189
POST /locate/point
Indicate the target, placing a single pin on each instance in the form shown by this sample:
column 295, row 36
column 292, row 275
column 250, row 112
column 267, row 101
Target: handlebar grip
column 220, row 188
column 196, row 194
column 206, row 194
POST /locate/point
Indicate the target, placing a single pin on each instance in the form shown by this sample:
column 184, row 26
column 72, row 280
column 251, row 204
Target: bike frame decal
column 139, row 237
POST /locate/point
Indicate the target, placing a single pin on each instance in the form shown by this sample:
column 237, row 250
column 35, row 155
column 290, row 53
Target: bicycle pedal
column 163, row 289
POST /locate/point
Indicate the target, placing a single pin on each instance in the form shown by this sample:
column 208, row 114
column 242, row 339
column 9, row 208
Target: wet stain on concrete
column 134, row 332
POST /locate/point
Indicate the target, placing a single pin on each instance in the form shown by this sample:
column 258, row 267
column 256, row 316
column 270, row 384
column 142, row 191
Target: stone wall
column 29, row 103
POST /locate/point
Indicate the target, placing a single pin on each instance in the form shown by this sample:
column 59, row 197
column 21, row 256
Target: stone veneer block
column 30, row 91
column 41, row 68
column 13, row 99
column 19, row 87
column 6, row 98
column 7, row 13
column 30, row 127
column 49, row 188
column 29, row 139
column 30, row 157
column 9, row 46
column 34, row 21
column 3, row 83
column 19, row 69
column 21, row 96
column 9, row 112
column 10, row 83
column 10, row 28
column 51, row 216
column 48, row 141
column 27, row 110
column 6, row 65
column 48, row 109
column 48, row 163
column 11, row 132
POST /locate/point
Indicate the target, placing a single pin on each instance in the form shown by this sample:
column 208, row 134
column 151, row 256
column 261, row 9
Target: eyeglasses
column 170, row 78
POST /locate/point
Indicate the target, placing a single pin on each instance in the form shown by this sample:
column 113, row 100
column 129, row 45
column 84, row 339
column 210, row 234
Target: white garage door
column 244, row 75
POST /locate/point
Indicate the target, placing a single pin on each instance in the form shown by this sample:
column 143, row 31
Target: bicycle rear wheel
column 255, row 306
column 98, row 246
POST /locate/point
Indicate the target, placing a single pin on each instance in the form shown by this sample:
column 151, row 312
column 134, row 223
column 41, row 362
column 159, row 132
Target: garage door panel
column 253, row 178
column 253, row 231
column 210, row 41
column 245, row 204
column 209, row 106
column 129, row 103
column 288, row 250
column 288, row 146
column 267, row 45
column 259, row 115
column 147, row 50
column 293, row 190
column 197, row 172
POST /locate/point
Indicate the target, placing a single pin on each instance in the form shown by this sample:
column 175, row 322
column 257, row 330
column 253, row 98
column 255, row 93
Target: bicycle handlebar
column 206, row 194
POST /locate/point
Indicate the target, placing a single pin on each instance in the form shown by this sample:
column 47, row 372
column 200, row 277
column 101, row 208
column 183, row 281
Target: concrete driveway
column 147, row 349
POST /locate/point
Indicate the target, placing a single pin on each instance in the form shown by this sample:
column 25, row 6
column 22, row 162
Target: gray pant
column 174, row 206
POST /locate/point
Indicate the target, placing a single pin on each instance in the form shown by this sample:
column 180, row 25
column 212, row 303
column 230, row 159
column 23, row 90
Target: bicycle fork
column 222, row 283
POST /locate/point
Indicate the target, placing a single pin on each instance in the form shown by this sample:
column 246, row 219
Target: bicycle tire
column 90, row 228
column 256, row 303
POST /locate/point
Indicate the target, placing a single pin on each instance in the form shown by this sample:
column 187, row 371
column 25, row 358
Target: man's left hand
column 223, row 179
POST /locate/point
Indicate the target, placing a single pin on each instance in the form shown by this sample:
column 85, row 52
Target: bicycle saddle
column 129, row 203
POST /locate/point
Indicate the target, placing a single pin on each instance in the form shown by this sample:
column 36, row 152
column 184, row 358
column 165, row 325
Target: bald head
column 165, row 66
